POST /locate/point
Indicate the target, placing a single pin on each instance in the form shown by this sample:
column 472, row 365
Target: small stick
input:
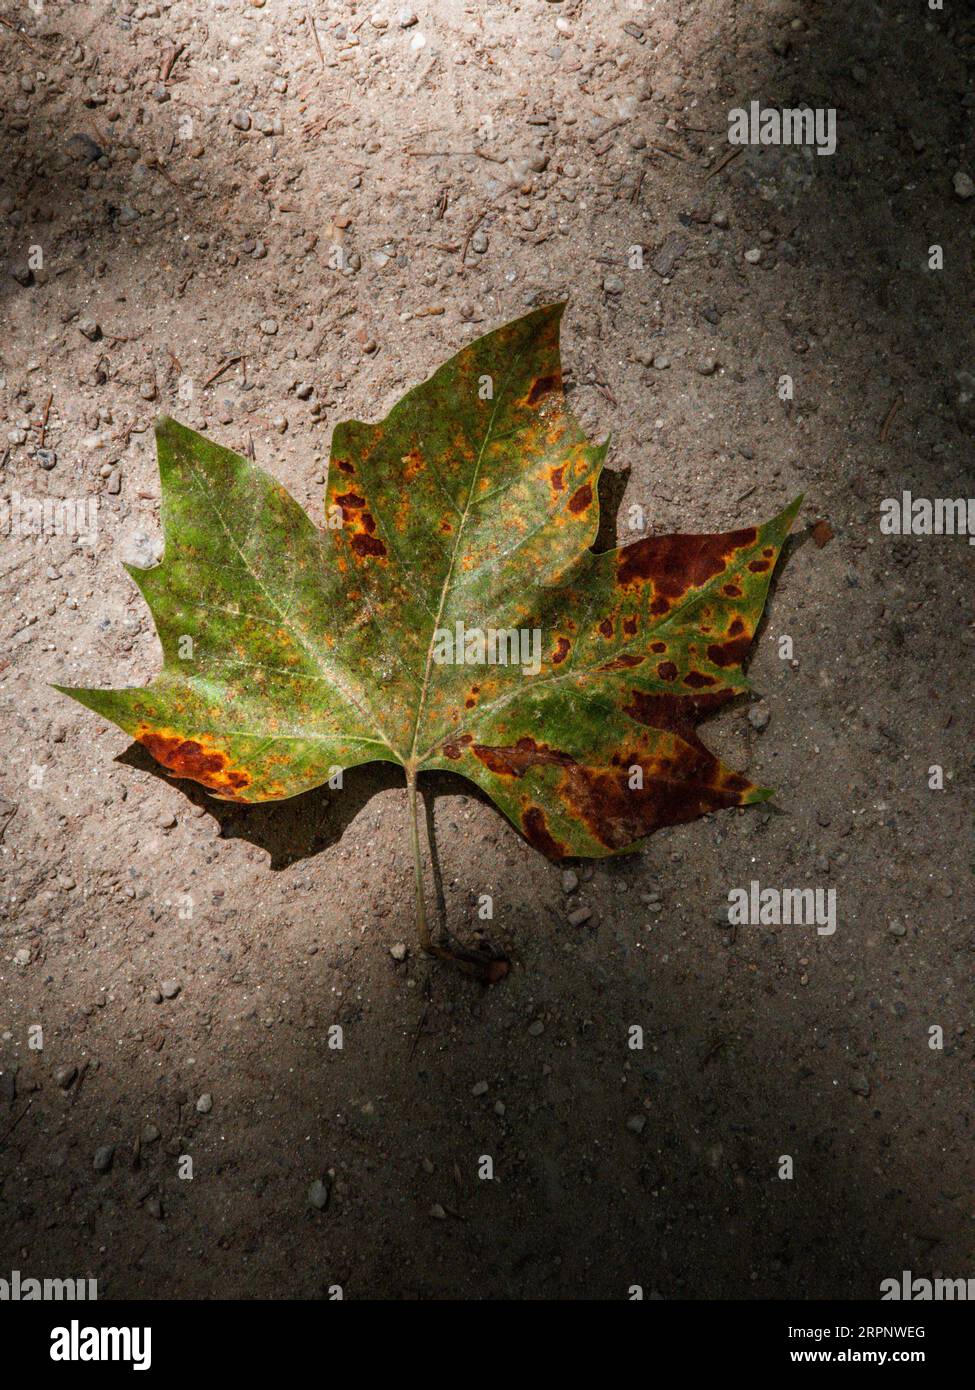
column 665, row 149
column 222, row 368
column 724, row 161
column 16, row 1122
column 470, row 232
column 169, row 62
column 889, row 419
column 43, row 421
column 314, row 34
column 20, row 34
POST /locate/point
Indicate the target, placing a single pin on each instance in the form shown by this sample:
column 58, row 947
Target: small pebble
column 318, row 1194
column 205, row 1104
column 398, row 950
column 759, row 716
column 104, row 1157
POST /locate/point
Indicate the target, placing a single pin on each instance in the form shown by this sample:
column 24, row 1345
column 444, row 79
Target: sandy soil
column 186, row 169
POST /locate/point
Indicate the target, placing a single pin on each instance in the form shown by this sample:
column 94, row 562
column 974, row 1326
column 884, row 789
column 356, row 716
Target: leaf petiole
column 487, row 968
column 422, row 927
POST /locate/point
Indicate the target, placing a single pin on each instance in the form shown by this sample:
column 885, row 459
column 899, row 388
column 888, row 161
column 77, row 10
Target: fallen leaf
column 449, row 615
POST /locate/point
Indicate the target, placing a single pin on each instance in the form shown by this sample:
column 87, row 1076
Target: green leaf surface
column 291, row 650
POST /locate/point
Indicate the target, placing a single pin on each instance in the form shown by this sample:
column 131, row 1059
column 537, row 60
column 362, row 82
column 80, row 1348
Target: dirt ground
column 186, row 169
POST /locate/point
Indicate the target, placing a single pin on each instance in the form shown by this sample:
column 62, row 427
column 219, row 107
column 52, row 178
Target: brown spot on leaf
column 621, row 663
column 758, row 566
column 537, row 833
column 675, row 713
column 667, row 671
column 606, row 627
column 658, row 646
column 364, row 544
column 676, row 788
column 542, row 386
column 674, row 564
column 697, row 680
column 455, row 747
column 557, row 478
column 581, row 498
column 345, row 465
column 412, row 465
column 630, row 625
column 732, row 591
column 350, row 502
column 561, row 651
column 730, row 653
column 197, row 759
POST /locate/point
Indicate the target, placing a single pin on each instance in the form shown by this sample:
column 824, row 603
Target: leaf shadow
column 610, row 491
column 304, row 825
column 288, row 831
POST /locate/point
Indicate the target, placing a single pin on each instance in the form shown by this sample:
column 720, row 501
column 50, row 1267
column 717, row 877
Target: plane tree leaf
column 447, row 612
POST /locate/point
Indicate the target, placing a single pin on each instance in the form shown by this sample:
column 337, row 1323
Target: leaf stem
column 489, row 969
column 422, row 926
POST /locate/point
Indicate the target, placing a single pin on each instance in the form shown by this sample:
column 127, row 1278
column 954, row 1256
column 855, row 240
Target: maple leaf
column 449, row 615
